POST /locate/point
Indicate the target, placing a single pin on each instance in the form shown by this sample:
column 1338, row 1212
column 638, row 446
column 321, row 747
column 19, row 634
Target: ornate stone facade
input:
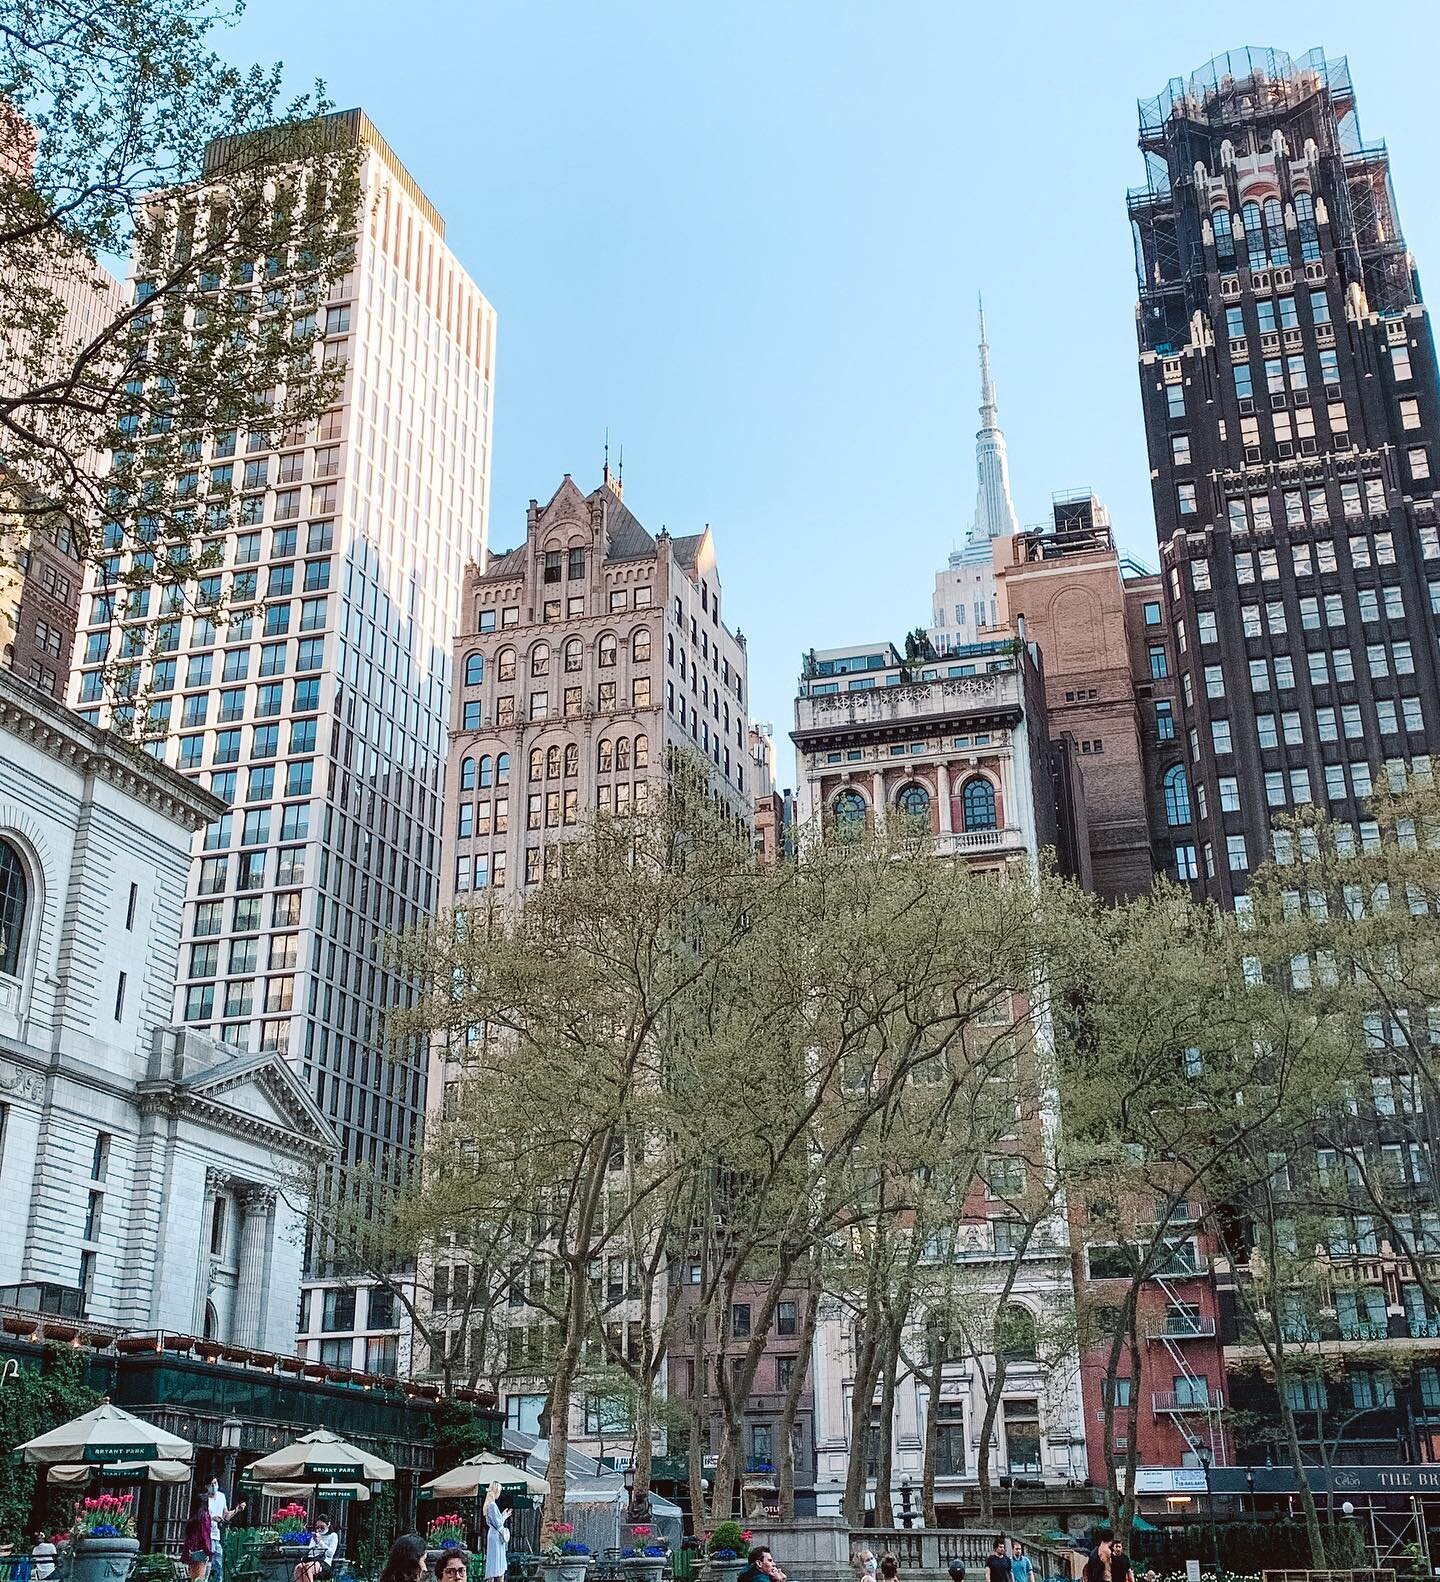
column 146, row 1167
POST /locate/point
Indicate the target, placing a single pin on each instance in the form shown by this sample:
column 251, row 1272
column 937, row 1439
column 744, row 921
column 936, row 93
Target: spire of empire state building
column 994, row 510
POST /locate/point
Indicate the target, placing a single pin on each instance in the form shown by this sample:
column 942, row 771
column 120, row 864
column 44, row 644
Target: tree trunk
column 885, row 1473
column 862, row 1396
column 560, row 1390
column 1297, row 1465
column 993, row 1391
column 799, row 1377
column 932, row 1437
column 644, row 1451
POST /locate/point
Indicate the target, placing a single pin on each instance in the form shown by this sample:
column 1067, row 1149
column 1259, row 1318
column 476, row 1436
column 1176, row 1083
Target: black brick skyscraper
column 1289, row 381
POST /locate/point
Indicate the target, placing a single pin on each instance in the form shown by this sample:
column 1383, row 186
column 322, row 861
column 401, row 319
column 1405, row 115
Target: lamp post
column 231, row 1431
column 1205, row 1459
column 1250, row 1485
column 907, row 1515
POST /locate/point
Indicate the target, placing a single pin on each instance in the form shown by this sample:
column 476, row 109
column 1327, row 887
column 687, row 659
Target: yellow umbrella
column 103, row 1436
column 320, row 1457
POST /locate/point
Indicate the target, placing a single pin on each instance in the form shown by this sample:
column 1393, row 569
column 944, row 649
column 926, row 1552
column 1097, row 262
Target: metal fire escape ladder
column 1208, row 1436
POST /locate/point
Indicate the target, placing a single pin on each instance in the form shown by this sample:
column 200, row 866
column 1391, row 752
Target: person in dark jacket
column 199, row 1537
column 1120, row 1569
column 1097, row 1567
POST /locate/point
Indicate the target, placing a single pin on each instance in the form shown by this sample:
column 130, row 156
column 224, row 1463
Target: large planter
column 724, row 1570
column 102, row 1559
column 278, row 1561
column 571, row 1569
column 644, row 1568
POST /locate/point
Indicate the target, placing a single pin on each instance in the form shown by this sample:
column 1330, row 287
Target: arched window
column 1275, row 232
column 574, row 655
column 1177, row 796
column 484, row 772
column 502, row 770
column 474, row 669
column 848, row 813
column 622, row 753
column 572, row 760
column 505, row 664
column 212, row 1322
column 607, row 648
column 537, row 763
column 606, row 762
column 914, row 802
column 1015, row 1338
column 642, row 752
column 467, row 774
column 552, row 763
column 1224, row 235
column 1254, row 234
column 1305, row 225
column 640, row 646
column 977, row 803
column 540, row 660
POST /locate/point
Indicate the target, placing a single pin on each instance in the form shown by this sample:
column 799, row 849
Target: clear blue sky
column 747, row 235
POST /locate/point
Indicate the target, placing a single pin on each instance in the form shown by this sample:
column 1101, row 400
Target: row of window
column 976, row 800
column 489, row 619
column 572, row 657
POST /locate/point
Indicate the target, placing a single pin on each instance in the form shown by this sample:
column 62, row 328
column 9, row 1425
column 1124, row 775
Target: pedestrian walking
column 1120, row 1569
column 862, row 1563
column 1097, row 1567
column 889, row 1568
column 997, row 1564
column 199, row 1544
column 1021, row 1566
column 221, row 1513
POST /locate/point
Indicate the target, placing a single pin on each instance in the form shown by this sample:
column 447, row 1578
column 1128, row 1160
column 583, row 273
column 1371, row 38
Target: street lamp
column 907, row 1515
column 1250, row 1484
column 1204, row 1456
column 231, row 1431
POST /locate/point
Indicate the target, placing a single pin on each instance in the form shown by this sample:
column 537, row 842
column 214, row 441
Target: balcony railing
column 1188, row 1401
column 1176, row 1328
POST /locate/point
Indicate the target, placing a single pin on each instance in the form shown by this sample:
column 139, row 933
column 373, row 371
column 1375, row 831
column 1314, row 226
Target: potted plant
column 726, row 1548
column 103, row 1542
column 644, row 1557
column 445, row 1532
column 563, row 1559
column 288, row 1541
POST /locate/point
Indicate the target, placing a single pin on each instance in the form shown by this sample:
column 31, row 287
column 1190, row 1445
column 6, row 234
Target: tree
column 584, row 994
column 34, row 1400
column 110, row 112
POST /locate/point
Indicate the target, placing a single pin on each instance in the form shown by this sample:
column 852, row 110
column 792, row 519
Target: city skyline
column 723, row 320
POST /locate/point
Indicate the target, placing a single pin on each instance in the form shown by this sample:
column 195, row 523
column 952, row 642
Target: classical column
column 247, row 1326
column 216, row 1183
column 877, row 793
column 943, row 791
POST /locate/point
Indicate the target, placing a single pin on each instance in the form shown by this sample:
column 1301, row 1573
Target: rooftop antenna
column 605, row 474
column 621, row 476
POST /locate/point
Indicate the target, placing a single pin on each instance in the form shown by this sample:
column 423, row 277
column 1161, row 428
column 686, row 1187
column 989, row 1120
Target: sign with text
column 122, row 1453
column 331, row 1469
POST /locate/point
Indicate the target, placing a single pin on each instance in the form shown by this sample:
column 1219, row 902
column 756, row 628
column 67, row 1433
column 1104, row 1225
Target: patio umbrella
column 321, row 1457
column 105, row 1435
column 321, row 1491
column 120, row 1471
column 473, row 1477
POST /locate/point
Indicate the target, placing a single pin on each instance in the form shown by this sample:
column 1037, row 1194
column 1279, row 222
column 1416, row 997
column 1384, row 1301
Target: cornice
column 36, row 717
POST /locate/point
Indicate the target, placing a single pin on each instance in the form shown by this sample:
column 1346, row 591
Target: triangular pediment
column 259, row 1090
column 567, row 503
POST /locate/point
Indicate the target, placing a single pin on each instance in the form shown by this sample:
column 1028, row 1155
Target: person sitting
column 324, row 1541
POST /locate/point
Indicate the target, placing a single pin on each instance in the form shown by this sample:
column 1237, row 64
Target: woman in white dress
column 497, row 1535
